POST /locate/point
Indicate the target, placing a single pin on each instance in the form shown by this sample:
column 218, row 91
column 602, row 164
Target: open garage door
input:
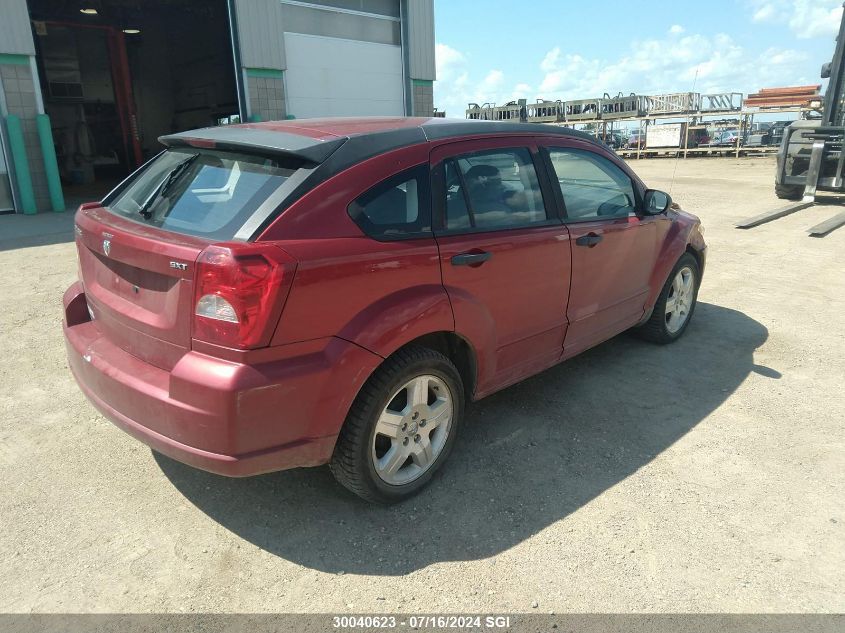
column 117, row 74
column 329, row 76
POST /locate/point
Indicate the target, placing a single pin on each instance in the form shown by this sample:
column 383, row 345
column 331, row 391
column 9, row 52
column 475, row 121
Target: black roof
column 439, row 128
column 315, row 140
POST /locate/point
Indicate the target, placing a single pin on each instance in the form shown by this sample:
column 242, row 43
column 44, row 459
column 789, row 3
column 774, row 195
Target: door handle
column 471, row 259
column 590, row 239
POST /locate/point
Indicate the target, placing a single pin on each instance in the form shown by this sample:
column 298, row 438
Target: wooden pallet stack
column 785, row 97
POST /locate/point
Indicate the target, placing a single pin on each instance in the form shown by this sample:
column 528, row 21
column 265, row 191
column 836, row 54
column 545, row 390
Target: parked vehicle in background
column 614, row 140
column 636, row 140
column 810, row 156
column 776, row 131
column 267, row 296
column 727, row 138
column 761, row 138
column 699, row 137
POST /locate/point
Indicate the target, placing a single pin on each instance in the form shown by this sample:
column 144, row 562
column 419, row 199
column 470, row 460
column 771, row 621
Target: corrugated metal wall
column 421, row 39
column 15, row 32
column 261, row 33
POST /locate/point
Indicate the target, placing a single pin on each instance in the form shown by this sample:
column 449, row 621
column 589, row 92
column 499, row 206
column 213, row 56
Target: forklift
column 811, row 156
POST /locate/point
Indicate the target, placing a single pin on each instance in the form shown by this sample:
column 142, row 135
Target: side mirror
column 656, row 202
column 825, row 74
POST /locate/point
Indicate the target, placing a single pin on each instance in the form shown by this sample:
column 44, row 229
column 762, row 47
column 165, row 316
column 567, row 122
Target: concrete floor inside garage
column 701, row 476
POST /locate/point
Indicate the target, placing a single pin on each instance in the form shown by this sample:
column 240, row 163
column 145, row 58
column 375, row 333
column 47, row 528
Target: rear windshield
column 201, row 192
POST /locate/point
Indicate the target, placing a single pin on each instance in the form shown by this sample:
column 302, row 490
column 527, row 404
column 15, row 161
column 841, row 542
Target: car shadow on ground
column 527, row 457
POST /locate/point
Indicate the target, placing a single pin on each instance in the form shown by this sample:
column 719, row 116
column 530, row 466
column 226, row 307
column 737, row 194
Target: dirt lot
column 703, row 476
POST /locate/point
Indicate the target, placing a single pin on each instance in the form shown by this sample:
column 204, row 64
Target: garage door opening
column 117, row 74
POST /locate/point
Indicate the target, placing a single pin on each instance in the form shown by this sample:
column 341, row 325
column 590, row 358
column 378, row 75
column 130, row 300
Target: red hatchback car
column 267, row 296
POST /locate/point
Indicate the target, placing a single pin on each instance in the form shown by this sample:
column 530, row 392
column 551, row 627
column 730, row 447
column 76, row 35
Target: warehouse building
column 88, row 86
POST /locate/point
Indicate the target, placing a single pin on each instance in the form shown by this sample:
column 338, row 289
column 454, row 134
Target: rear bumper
column 225, row 417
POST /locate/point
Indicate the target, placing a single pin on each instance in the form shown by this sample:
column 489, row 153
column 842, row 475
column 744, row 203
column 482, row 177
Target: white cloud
column 806, row 18
column 550, row 61
column 678, row 63
column 814, row 20
column 455, row 86
column 446, row 60
column 765, row 13
column 492, row 83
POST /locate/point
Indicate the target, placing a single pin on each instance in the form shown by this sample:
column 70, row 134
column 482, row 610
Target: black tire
column 351, row 463
column 655, row 330
column 789, row 192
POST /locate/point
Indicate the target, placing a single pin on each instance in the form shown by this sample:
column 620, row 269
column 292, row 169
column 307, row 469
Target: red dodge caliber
column 267, row 296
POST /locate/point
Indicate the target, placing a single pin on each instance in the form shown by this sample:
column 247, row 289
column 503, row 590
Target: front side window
column 202, row 192
column 492, row 190
column 592, row 186
column 396, row 208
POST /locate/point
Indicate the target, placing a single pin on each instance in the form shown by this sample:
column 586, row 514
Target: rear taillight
column 239, row 294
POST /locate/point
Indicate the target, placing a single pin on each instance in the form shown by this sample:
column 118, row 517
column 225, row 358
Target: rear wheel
column 401, row 427
column 789, row 192
column 675, row 305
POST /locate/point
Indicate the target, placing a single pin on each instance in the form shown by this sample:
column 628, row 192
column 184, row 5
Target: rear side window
column 202, row 192
column 398, row 208
column 493, row 190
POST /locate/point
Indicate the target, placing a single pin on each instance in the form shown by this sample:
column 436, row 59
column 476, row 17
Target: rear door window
column 493, row 190
column 202, row 192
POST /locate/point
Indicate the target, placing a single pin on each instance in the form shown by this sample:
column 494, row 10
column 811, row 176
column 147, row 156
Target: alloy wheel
column 680, row 299
column 412, row 430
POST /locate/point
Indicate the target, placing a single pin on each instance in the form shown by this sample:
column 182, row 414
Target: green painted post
column 22, row 175
column 51, row 167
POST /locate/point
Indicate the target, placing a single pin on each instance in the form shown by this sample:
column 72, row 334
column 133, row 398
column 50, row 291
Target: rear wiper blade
column 165, row 184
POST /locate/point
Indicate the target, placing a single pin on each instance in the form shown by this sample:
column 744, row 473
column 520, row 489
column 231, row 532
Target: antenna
column 685, row 131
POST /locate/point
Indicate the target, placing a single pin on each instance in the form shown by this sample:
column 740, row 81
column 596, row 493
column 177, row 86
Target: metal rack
column 688, row 108
column 743, row 122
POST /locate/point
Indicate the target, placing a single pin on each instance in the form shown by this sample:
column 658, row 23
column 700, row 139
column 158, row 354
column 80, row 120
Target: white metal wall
column 15, row 32
column 260, row 31
column 328, row 76
column 421, row 39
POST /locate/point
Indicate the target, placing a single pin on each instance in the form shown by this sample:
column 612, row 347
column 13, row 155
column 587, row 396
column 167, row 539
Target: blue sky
column 498, row 50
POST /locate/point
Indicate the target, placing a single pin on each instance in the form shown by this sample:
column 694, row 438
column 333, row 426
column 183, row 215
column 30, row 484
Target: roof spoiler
column 260, row 141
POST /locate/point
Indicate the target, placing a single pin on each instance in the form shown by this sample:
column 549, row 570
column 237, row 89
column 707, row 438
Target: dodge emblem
column 106, row 247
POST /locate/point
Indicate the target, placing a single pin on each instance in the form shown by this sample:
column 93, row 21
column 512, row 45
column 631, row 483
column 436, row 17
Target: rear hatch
column 138, row 283
column 138, row 250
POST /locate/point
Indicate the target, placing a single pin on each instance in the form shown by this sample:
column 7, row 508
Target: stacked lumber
column 786, row 97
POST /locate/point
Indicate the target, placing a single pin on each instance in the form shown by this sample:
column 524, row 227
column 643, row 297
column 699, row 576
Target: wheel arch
column 675, row 247
column 699, row 259
column 457, row 349
column 452, row 345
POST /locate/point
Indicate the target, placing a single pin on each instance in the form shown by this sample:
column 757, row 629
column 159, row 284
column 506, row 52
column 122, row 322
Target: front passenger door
column 614, row 249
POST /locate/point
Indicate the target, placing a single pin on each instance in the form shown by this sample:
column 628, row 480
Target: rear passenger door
column 504, row 255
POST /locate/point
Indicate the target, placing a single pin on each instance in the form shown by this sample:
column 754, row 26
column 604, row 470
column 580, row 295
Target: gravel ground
column 705, row 476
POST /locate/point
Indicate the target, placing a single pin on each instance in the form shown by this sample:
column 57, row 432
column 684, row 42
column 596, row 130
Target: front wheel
column 401, row 427
column 675, row 305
